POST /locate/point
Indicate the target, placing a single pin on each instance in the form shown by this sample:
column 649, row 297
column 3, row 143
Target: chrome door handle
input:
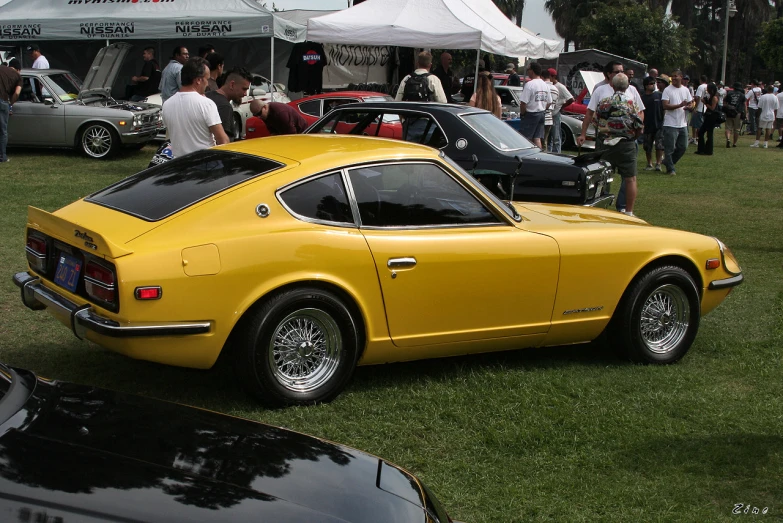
column 401, row 263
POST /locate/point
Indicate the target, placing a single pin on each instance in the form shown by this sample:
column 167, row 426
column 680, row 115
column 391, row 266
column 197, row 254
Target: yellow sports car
column 303, row 256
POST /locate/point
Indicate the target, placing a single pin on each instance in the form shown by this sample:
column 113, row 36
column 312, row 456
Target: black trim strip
column 728, row 282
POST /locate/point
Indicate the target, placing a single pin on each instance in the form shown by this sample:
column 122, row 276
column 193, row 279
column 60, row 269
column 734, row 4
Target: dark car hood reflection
column 142, row 459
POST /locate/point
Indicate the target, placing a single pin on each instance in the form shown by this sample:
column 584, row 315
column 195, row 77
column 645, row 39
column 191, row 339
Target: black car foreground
column 482, row 144
column 76, row 453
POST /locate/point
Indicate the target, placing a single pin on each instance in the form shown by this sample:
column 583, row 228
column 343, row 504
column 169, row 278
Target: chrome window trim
column 485, row 192
column 470, row 190
column 477, row 133
column 279, row 195
column 400, row 113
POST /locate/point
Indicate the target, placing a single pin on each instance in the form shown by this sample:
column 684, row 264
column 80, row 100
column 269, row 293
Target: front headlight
column 728, row 259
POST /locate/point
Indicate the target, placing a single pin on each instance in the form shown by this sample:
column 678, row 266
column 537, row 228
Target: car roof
column 45, row 71
column 330, row 150
column 342, row 94
column 430, row 107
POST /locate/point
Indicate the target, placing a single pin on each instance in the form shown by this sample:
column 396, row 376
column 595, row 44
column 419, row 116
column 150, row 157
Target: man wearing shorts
column 653, row 122
column 734, row 109
column 768, row 111
column 533, row 103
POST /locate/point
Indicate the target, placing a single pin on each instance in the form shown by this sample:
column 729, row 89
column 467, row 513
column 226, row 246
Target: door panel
column 35, row 123
column 450, row 285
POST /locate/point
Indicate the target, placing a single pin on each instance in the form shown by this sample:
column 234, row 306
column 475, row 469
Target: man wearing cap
column 39, row 60
column 10, row 87
column 653, row 124
column 513, row 77
column 564, row 99
column 734, row 109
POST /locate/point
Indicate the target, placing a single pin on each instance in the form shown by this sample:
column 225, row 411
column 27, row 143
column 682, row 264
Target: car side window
column 323, row 199
column 28, row 91
column 333, row 103
column 423, row 130
column 414, row 195
column 313, row 108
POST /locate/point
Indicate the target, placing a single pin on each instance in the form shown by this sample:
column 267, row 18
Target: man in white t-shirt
column 675, row 100
column 779, row 119
column 768, row 111
column 754, row 93
column 564, row 99
column 39, row 60
column 192, row 119
column 546, row 76
column 533, row 102
column 697, row 118
column 603, row 90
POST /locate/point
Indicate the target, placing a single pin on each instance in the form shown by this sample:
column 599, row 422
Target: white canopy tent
column 441, row 24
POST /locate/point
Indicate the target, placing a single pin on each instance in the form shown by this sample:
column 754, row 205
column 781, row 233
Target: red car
column 313, row 107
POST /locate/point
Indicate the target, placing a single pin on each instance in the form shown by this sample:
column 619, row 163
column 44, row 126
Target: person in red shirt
column 279, row 118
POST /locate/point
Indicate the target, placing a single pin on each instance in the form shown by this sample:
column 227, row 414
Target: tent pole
column 272, row 67
column 475, row 78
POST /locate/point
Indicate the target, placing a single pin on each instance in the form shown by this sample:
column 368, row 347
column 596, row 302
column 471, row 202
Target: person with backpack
column 734, row 108
column 753, row 106
column 619, row 122
column 147, row 82
column 421, row 86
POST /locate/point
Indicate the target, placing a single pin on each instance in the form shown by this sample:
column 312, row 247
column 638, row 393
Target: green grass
column 557, row 434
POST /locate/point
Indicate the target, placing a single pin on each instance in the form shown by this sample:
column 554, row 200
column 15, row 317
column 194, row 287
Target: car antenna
column 514, row 177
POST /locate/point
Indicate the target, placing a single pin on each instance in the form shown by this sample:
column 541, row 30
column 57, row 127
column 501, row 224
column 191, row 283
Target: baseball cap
column 510, row 66
column 686, row 77
column 15, row 64
column 552, row 71
column 776, row 84
column 33, row 47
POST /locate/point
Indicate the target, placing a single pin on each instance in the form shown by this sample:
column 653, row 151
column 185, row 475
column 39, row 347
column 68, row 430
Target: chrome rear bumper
column 82, row 318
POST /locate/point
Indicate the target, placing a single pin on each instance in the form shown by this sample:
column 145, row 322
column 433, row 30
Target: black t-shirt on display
column 306, row 64
column 225, row 110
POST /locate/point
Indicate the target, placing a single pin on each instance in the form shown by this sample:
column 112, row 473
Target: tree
column 568, row 15
column 634, row 31
column 512, row 9
column 770, row 45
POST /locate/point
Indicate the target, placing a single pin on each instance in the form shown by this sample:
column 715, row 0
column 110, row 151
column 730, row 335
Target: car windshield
column 499, row 134
column 486, row 192
column 65, row 86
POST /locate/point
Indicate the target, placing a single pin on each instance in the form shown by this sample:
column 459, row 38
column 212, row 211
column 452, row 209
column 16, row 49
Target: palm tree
column 512, row 9
column 567, row 14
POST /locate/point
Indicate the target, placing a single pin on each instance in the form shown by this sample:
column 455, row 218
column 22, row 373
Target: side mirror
column 48, row 101
column 514, row 103
column 257, row 91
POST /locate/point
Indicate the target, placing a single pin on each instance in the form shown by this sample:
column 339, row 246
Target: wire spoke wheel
column 305, row 350
column 664, row 319
column 97, row 141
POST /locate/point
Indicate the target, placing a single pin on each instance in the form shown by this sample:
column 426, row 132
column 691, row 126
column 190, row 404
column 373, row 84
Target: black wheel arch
column 350, row 302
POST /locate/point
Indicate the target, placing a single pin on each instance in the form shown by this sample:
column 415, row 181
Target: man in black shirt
column 513, row 77
column 653, row 123
column 233, row 90
column 147, row 82
column 734, row 109
column 446, row 75
column 469, row 80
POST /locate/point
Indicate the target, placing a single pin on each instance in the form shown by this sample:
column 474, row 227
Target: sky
column 534, row 17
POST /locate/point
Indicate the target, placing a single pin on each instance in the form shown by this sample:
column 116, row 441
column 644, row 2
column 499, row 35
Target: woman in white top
column 485, row 96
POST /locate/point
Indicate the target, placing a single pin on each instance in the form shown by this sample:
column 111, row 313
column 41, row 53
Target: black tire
column 566, row 137
column 98, row 140
column 312, row 320
column 237, row 128
column 658, row 317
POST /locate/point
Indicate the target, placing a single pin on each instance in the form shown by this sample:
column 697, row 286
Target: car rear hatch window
column 168, row 188
column 499, row 134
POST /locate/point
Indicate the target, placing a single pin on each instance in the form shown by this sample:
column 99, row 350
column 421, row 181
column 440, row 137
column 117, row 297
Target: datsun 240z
column 303, row 256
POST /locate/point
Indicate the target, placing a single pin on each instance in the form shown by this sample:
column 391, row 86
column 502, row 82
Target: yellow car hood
column 555, row 214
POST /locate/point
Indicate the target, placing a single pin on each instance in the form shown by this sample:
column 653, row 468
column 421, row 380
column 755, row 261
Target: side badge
column 461, row 144
column 262, row 210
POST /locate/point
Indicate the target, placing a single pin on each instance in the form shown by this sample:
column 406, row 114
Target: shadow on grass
column 98, row 367
column 122, row 153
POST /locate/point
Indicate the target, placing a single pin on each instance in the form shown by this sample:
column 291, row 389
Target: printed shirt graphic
column 536, row 95
column 617, row 118
column 306, row 64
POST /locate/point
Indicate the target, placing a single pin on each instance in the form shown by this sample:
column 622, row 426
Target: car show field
column 568, row 433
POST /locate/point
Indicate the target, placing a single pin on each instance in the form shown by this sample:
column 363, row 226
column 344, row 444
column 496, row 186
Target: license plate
column 68, row 269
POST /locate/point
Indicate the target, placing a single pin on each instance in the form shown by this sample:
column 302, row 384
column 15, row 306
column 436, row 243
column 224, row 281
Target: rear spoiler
column 73, row 234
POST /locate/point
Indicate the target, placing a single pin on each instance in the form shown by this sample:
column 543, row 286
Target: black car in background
column 76, row 453
column 483, row 145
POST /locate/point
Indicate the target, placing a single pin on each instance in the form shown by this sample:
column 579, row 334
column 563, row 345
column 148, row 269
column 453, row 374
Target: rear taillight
column 99, row 283
column 36, row 252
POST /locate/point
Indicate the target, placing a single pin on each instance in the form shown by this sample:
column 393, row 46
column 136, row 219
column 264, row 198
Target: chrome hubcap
column 304, row 351
column 97, row 141
column 664, row 319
